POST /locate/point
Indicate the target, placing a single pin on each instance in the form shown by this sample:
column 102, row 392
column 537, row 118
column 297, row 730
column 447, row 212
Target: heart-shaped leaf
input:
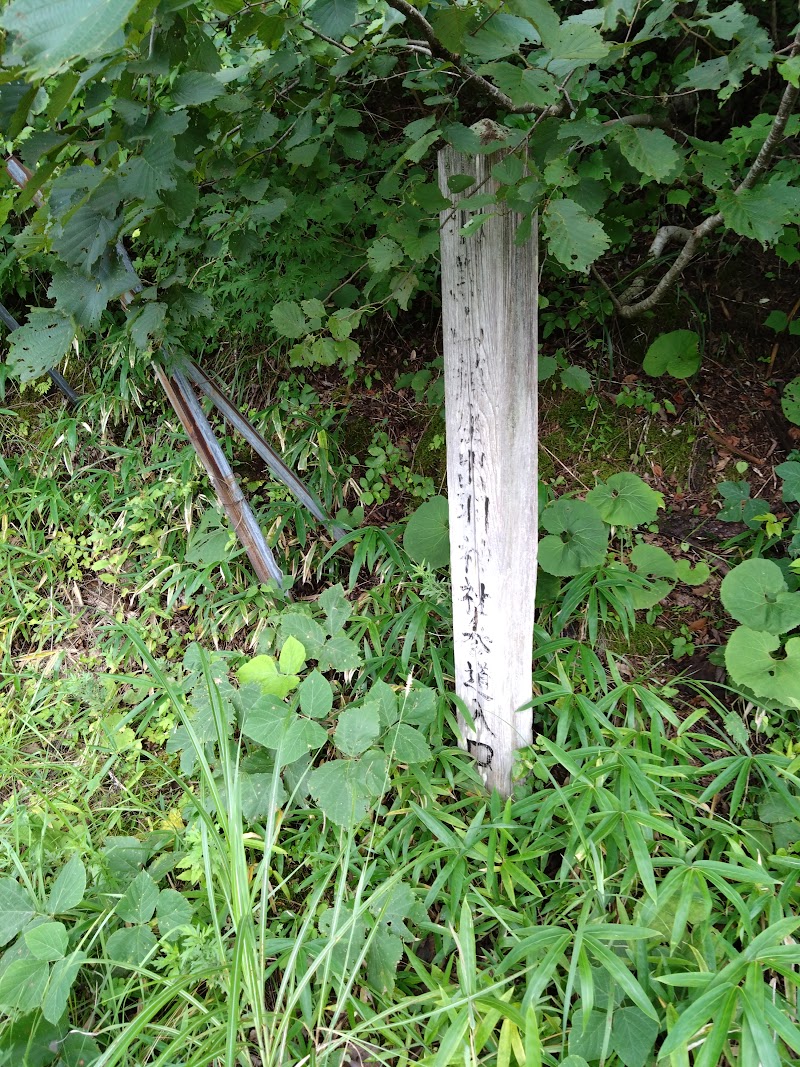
column 579, row 538
column 750, row 662
column 625, row 500
column 427, row 536
column 756, row 595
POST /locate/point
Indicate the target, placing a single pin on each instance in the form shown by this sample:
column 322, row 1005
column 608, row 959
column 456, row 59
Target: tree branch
column 629, row 306
column 440, row 51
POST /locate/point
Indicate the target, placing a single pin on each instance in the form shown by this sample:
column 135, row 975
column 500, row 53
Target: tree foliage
column 226, row 143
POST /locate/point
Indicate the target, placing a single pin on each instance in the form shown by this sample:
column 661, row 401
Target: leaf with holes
column 676, row 353
column 756, row 595
column 47, row 36
column 573, row 237
column 762, row 212
column 578, row 538
column 357, row 729
column 625, row 500
column 40, row 344
column 790, row 401
column 749, row 657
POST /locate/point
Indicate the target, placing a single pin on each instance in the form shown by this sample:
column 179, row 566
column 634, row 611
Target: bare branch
column 629, row 305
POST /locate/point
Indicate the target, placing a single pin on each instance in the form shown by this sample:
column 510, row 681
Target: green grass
column 633, row 904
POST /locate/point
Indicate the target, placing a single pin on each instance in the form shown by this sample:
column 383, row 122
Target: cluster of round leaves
column 764, row 598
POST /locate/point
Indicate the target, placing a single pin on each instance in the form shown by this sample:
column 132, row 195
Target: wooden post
column 489, row 299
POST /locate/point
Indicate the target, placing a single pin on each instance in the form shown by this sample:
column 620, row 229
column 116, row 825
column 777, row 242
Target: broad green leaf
column 385, row 700
column 131, row 946
column 762, row 212
column 789, row 473
column 67, row 890
column 427, row 534
column 578, row 43
column 17, row 908
column 47, row 941
column 195, row 87
column 452, row 24
column 340, row 653
column 275, row 726
column 757, row 596
column 336, row 788
column 337, row 608
column 587, row 1034
column 405, row 744
column 418, row 705
column 259, row 794
column 650, row 151
column 578, row 540
column 263, row 671
column 689, row 575
column 334, row 17
column 501, row 35
column 625, row 500
column 577, row 378
column 316, row 696
column 383, row 254
column 633, row 1035
column 48, row 34
column 174, row 914
column 22, row 985
column 40, row 344
column 676, row 353
column 62, row 977
column 138, row 903
column 293, row 656
column 654, row 562
column 288, row 319
column 85, row 299
column 524, row 85
column 357, row 729
column 574, row 238
column 383, row 956
column 749, row 657
column 308, row 632
column 147, row 323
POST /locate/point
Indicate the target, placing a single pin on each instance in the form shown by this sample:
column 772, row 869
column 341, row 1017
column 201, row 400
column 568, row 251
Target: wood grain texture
column 489, row 298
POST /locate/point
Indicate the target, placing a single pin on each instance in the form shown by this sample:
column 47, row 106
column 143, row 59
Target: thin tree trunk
column 489, row 297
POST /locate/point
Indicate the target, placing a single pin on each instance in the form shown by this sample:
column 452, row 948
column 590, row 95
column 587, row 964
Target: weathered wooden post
column 489, row 297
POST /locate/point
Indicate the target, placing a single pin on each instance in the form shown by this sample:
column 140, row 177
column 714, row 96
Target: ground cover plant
column 237, row 828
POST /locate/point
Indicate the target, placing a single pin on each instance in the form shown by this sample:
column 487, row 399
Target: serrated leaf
column 47, row 941
column 452, row 24
column 578, row 43
column 579, row 538
column 39, row 344
column 195, row 87
column 147, row 323
column 316, row 696
column 760, row 213
column 138, row 903
column 340, row 653
column 500, row 36
column 131, row 946
column 573, row 238
column 650, row 151
column 67, row 890
column 383, row 254
column 174, row 914
column 47, row 36
column 336, row 606
column 288, row 319
column 334, row 17
column 625, row 500
column 405, row 744
column 524, row 85
column 86, row 298
column 62, row 978
column 383, row 957
column 337, row 789
column 357, row 729
column 305, row 629
column 275, row 726
column 577, row 378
